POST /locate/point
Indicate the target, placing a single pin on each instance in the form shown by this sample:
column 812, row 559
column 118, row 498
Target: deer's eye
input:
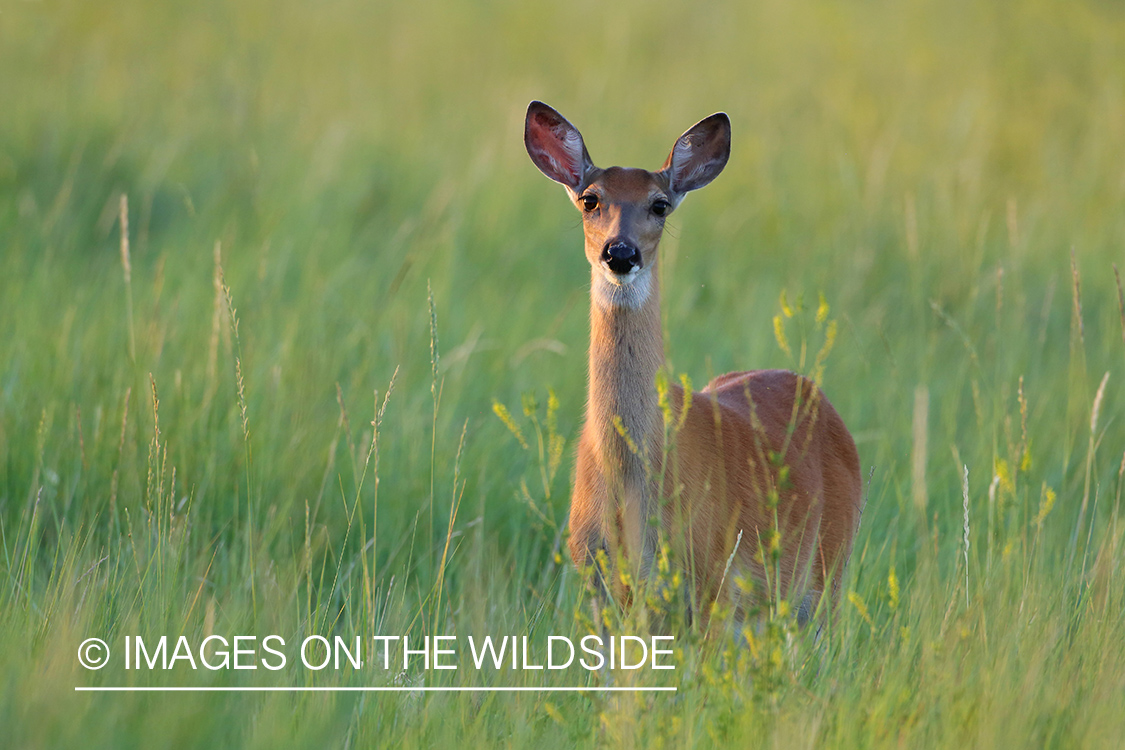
column 660, row 207
column 589, row 202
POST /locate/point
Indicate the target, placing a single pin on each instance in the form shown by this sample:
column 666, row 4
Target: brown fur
column 747, row 438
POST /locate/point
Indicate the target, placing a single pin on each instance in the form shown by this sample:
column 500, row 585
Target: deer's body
column 759, row 453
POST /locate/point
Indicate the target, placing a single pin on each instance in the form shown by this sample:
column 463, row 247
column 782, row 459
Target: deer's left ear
column 699, row 154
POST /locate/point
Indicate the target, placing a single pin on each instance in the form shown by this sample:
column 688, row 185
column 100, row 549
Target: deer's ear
column 555, row 146
column 699, row 154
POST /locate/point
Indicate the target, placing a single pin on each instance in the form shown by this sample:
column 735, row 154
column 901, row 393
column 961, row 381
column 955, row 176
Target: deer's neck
column 626, row 350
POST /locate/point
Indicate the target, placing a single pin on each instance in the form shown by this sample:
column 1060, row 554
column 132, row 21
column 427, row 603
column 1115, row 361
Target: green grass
column 931, row 168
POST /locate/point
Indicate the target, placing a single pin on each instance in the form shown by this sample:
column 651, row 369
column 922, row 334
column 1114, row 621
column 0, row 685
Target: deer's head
column 624, row 209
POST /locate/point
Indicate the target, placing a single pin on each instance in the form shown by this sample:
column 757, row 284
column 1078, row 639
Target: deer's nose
column 621, row 257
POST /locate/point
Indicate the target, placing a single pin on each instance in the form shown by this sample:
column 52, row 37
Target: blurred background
column 911, row 161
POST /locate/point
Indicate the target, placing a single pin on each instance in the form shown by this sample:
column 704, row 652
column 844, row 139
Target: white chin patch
column 629, row 292
column 619, row 280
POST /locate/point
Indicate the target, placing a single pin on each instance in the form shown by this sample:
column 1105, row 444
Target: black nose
column 621, row 257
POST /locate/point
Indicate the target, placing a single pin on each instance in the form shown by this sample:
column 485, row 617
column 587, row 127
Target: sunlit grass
column 275, row 409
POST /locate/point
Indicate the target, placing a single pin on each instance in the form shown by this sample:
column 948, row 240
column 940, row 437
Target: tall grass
column 947, row 176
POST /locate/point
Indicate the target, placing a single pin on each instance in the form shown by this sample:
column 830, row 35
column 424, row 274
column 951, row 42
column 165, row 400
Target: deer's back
column 752, row 442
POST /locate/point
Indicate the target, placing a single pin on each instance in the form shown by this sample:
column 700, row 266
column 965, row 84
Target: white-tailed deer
column 760, row 454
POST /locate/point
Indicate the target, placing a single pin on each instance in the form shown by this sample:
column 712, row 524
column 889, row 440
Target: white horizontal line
column 364, row 689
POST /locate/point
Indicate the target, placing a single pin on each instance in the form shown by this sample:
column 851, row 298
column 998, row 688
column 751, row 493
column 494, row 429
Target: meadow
column 267, row 270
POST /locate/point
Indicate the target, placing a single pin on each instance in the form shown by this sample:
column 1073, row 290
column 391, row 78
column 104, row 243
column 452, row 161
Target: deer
column 759, row 454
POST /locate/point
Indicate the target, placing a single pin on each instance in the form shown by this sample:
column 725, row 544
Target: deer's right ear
column 555, row 146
